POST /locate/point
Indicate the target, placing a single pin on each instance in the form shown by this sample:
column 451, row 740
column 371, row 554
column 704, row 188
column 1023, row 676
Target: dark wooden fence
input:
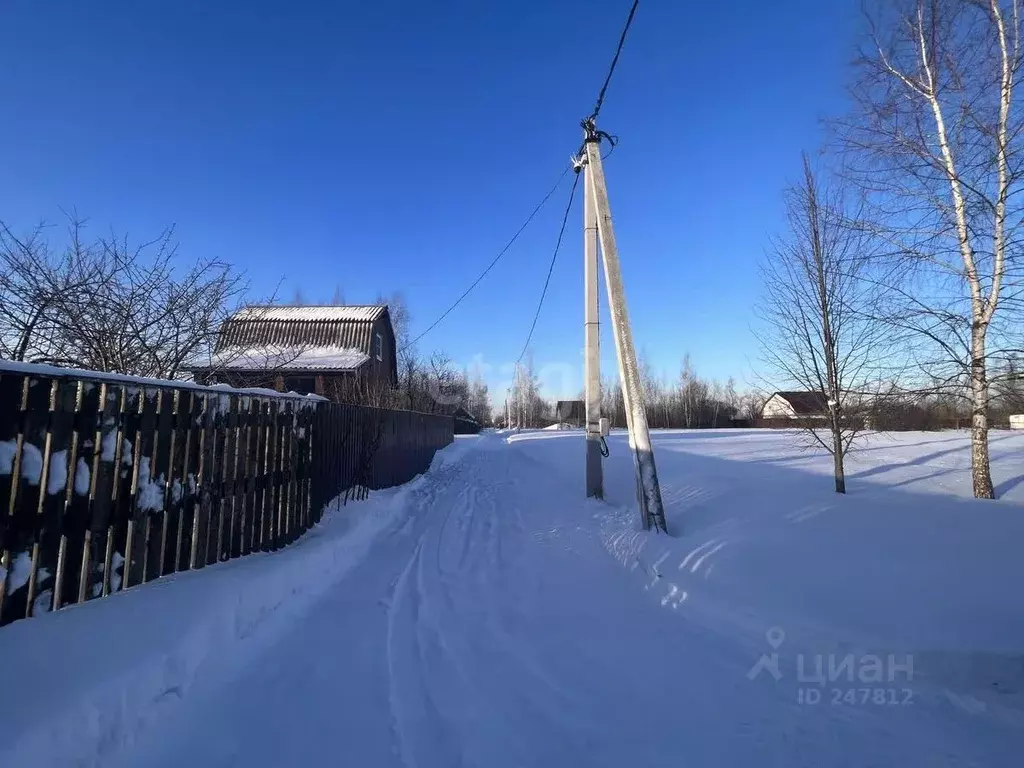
column 108, row 482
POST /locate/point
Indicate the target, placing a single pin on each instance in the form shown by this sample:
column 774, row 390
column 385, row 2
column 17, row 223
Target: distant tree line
column 894, row 408
column 688, row 402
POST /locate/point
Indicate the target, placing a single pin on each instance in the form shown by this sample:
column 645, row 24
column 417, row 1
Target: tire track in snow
column 465, row 525
column 418, row 721
column 394, row 694
column 412, row 705
column 430, row 651
column 466, row 648
column 444, row 528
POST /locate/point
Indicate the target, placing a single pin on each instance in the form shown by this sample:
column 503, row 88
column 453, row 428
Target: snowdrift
column 90, row 677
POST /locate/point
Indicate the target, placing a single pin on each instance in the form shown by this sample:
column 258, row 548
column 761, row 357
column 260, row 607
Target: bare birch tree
column 479, row 400
column 525, row 402
column 688, row 386
column 935, row 141
column 817, row 334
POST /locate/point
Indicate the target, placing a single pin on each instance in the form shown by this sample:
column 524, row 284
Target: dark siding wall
column 383, row 371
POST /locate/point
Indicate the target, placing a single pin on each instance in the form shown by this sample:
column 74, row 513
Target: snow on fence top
column 111, row 481
column 53, row 371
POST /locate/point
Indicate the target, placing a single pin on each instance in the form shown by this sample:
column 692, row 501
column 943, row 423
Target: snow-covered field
column 487, row 615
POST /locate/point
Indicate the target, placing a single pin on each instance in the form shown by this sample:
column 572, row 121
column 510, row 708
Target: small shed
column 340, row 352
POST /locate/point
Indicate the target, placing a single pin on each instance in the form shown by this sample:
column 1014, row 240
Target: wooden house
column 345, row 353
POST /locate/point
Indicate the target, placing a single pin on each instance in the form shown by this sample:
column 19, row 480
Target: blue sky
column 396, row 146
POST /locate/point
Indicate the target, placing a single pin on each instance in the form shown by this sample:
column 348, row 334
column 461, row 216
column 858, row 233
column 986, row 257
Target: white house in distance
column 795, row 405
column 1017, row 421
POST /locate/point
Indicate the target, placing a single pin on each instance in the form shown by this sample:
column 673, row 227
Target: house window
column 378, row 346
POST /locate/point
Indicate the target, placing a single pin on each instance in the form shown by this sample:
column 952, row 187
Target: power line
column 551, row 267
column 615, row 61
column 591, row 119
column 589, row 124
column 494, row 261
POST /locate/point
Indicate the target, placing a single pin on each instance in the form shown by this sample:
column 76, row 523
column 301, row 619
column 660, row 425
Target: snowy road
column 496, row 620
column 480, row 633
column 495, row 628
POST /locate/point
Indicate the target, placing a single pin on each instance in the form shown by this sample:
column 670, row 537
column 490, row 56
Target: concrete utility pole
column 649, row 493
column 592, row 355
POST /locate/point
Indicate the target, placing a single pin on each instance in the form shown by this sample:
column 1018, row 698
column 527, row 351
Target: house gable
column 385, row 364
column 792, row 405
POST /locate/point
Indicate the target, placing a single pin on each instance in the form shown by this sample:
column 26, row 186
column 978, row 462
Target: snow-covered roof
column 311, row 313
column 295, row 329
column 805, row 403
column 285, row 359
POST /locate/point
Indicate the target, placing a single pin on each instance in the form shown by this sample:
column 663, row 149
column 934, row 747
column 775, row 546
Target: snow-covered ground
column 487, row 615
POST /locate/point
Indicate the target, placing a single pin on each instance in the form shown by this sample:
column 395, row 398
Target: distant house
column 465, row 422
column 795, row 405
column 572, row 412
column 340, row 352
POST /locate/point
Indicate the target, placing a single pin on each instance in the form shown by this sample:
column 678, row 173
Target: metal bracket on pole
column 648, row 491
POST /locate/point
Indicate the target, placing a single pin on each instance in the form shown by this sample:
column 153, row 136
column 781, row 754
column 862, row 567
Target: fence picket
column 115, row 482
column 167, row 416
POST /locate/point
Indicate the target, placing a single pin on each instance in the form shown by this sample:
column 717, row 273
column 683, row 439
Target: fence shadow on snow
column 107, row 482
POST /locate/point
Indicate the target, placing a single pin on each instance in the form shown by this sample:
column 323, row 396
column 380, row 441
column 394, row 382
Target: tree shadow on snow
column 963, row 447
column 1006, row 486
column 705, row 493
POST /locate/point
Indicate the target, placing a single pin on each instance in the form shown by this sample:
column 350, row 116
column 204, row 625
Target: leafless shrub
column 819, row 333
column 108, row 305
